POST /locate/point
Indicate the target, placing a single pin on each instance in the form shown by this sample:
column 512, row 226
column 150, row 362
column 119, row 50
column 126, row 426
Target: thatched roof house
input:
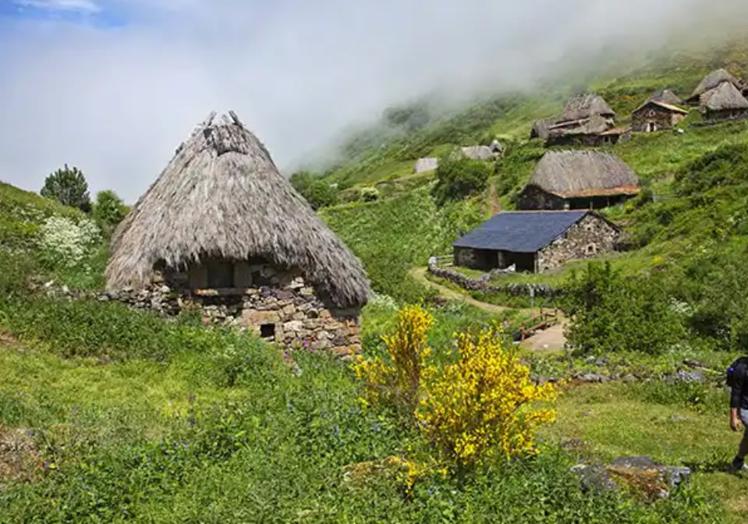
column 587, row 119
column 221, row 219
column 585, row 106
column 713, row 80
column 724, row 102
column 579, row 180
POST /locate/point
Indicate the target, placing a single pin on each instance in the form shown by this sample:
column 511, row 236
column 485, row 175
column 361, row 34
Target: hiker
column 738, row 382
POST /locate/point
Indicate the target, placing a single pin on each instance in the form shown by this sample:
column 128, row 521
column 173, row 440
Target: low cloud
column 117, row 101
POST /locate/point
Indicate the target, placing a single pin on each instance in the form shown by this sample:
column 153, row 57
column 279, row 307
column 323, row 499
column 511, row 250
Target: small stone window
column 591, row 249
column 267, row 330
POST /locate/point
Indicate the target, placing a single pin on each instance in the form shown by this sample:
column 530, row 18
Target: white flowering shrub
column 65, row 242
column 383, row 301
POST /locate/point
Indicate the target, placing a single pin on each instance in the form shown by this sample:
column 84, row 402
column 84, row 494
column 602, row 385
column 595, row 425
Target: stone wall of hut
column 588, row 238
column 652, row 118
column 275, row 304
column 728, row 114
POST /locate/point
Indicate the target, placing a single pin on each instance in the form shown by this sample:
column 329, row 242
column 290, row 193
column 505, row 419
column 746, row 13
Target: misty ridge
column 306, row 78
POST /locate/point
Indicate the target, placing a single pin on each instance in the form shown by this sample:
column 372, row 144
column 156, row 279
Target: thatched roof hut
column 222, row 196
column 585, row 106
column 725, row 97
column 582, row 173
column 483, row 153
column 578, row 180
column 713, row 80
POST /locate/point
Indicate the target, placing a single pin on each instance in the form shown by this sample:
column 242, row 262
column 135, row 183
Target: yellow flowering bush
column 396, row 379
column 484, row 405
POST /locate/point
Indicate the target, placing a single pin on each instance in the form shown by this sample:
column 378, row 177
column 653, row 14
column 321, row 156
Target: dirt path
column 419, row 273
column 551, row 339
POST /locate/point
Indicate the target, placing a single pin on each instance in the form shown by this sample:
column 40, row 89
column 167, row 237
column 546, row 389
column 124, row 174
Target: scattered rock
column 638, row 473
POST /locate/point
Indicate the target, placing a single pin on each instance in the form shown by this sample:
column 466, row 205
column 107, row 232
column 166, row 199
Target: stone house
column 535, row 241
column 578, row 180
column 221, row 227
column 725, row 102
column 656, row 115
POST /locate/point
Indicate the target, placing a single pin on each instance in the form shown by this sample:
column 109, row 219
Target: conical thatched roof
column 723, row 98
column 666, row 96
column 714, row 79
column 585, row 106
column 222, row 196
column 594, row 125
column 571, row 174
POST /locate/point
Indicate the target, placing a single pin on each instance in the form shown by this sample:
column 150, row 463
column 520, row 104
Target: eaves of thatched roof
column 222, row 196
column 669, row 107
column 725, row 97
column 594, row 125
column 714, row 79
column 570, row 174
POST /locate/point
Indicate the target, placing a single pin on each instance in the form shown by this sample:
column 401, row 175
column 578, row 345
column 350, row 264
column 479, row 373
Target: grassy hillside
column 109, row 414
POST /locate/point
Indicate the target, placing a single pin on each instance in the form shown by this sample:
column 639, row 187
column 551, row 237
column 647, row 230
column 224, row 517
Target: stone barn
column 712, row 81
column 578, row 180
column 724, row 102
column 656, row 115
column 222, row 227
column 535, row 241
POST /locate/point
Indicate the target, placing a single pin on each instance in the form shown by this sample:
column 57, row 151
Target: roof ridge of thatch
column 572, row 173
column 585, row 105
column 221, row 195
column 724, row 97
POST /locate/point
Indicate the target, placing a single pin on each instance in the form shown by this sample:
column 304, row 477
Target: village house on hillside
column 659, row 112
column 586, row 120
column 724, row 102
column 221, row 226
column 578, row 180
column 484, row 153
column 712, row 81
column 535, row 241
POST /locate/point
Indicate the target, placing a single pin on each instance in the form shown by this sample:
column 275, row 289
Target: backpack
column 736, row 369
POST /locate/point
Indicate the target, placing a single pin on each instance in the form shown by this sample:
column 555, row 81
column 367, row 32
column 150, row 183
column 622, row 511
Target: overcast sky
column 113, row 86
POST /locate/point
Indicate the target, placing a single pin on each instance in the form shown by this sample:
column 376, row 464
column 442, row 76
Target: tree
column 109, row 209
column 315, row 190
column 69, row 187
column 458, row 178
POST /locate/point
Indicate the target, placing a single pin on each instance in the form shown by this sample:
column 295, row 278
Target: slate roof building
column 535, row 241
column 578, row 180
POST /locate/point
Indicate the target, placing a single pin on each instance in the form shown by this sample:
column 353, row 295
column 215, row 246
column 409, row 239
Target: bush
column 482, row 407
column 65, row 243
column 369, row 194
column 473, row 411
column 109, row 209
column 611, row 313
column 458, row 178
column 69, row 187
column 395, row 381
